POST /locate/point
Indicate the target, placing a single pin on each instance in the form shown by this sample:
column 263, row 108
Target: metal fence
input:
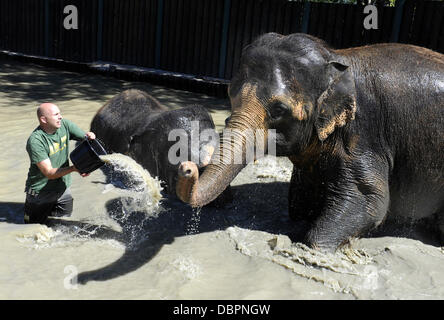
column 203, row 38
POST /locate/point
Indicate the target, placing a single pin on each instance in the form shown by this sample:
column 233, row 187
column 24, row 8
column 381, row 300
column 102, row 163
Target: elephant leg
column 306, row 195
column 356, row 201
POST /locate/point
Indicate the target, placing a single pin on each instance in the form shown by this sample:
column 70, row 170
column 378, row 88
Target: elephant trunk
column 243, row 140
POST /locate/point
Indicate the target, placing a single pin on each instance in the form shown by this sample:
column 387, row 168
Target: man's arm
column 51, row 173
column 76, row 132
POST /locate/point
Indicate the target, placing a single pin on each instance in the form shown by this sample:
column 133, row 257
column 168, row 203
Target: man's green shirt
column 41, row 146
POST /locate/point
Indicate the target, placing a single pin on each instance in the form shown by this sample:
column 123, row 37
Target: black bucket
column 85, row 156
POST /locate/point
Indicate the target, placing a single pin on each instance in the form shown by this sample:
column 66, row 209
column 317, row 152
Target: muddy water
column 110, row 248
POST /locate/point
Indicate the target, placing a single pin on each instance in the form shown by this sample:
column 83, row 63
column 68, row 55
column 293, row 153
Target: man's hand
column 90, row 135
column 77, row 170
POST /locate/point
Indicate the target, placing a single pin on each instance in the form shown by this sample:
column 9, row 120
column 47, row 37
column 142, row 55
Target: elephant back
column 183, row 118
column 123, row 117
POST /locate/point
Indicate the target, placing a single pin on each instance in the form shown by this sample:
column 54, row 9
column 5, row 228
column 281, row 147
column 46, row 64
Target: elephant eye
column 278, row 109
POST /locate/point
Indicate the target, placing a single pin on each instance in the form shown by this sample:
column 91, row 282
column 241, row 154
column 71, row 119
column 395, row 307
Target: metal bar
column 397, row 21
column 99, row 29
column 159, row 32
column 47, row 28
column 306, row 17
column 224, row 39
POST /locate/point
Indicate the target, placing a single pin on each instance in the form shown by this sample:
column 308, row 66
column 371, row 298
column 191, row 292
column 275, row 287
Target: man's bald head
column 49, row 117
column 46, row 108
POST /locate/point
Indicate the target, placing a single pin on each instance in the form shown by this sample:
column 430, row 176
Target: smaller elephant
column 157, row 149
column 137, row 125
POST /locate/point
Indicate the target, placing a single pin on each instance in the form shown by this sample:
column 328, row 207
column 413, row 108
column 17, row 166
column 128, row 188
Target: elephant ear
column 337, row 104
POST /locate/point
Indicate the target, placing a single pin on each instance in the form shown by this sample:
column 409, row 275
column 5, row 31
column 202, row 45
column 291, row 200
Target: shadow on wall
column 25, row 83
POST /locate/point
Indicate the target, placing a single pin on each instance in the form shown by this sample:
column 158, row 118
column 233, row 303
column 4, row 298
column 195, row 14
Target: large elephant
column 135, row 124
column 364, row 128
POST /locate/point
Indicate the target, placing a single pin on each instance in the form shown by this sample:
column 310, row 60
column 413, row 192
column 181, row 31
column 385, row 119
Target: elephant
column 161, row 153
column 137, row 125
column 363, row 127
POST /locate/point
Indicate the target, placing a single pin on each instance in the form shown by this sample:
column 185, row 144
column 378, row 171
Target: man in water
column 49, row 180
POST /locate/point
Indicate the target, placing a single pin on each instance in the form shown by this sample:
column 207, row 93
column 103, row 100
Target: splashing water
column 141, row 196
column 144, row 190
column 193, row 224
column 139, row 201
column 349, row 270
column 39, row 237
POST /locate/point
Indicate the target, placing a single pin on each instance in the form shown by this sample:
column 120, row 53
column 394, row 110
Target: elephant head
column 293, row 84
